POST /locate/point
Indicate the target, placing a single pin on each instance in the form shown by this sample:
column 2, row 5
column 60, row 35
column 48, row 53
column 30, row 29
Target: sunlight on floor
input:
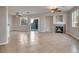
column 33, row 37
column 23, row 38
column 74, row 48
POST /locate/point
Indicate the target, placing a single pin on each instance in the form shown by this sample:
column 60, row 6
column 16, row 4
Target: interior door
column 49, row 23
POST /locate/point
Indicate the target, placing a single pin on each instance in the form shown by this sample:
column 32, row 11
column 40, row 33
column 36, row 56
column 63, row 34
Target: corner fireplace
column 59, row 29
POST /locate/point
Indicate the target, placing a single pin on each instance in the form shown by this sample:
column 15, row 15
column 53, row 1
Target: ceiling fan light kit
column 18, row 14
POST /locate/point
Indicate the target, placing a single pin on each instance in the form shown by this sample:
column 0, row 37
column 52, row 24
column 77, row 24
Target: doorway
column 35, row 24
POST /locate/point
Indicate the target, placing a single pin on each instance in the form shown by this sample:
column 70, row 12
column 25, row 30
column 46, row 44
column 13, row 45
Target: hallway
column 37, row 42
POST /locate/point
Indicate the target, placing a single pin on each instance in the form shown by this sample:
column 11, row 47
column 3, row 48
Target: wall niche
column 59, row 18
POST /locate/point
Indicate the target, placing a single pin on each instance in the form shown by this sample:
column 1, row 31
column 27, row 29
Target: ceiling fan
column 54, row 9
column 18, row 14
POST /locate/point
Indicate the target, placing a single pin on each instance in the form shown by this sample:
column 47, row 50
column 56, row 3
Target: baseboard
column 4, row 43
column 75, row 37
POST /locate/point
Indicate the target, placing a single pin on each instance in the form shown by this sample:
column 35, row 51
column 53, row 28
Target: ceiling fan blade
column 58, row 10
column 54, row 10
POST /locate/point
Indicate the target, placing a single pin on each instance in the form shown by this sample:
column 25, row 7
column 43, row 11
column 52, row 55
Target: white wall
column 10, row 20
column 3, row 25
column 9, row 24
column 70, row 29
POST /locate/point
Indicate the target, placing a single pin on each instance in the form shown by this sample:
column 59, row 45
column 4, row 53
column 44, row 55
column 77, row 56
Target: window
column 75, row 18
column 24, row 20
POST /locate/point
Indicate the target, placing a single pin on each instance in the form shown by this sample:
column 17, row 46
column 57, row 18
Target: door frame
column 38, row 23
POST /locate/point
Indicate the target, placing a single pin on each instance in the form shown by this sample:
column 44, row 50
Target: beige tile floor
column 35, row 42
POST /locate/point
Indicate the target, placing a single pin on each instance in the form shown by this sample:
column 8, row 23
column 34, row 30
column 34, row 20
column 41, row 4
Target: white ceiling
column 33, row 9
